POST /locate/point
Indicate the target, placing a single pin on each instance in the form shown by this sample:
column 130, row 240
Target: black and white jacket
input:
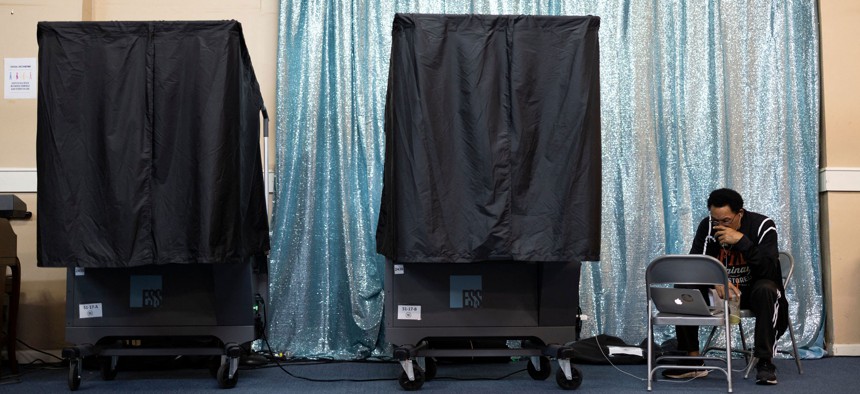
column 758, row 248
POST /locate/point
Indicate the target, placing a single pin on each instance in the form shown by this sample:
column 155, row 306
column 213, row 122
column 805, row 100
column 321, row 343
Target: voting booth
column 151, row 189
column 492, row 186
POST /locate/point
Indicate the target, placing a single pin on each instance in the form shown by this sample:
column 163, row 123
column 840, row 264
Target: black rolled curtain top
column 492, row 127
column 148, row 145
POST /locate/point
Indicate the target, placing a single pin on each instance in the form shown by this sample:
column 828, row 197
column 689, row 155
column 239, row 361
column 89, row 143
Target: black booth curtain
column 147, row 145
column 492, row 127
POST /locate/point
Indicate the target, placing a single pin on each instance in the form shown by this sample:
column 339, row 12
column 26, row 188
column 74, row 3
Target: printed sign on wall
column 20, row 77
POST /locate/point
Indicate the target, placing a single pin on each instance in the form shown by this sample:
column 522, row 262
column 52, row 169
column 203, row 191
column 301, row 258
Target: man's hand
column 734, row 292
column 727, row 235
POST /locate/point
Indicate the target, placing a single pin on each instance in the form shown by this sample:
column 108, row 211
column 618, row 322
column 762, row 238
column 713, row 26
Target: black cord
column 262, row 303
column 6, row 334
column 38, row 350
column 278, row 363
column 480, row 379
column 613, row 364
column 305, row 362
column 16, row 378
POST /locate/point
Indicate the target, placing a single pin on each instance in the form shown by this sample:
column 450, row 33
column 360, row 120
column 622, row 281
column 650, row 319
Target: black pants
column 771, row 319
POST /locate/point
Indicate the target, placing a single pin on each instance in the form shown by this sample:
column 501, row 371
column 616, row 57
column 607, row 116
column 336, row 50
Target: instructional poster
column 20, row 76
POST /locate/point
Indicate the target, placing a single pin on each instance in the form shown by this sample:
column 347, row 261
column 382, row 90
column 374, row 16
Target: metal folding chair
column 686, row 270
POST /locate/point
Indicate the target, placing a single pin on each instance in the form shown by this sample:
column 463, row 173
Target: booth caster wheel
column 214, row 363
column 74, row 374
column 429, row 368
column 412, row 385
column 545, row 368
column 108, row 367
column 572, row 384
column 224, row 380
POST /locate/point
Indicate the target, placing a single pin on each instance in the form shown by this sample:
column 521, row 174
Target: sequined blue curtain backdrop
column 696, row 95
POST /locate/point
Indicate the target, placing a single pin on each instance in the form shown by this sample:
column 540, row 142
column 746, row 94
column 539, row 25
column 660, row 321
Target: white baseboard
column 846, row 349
column 17, row 180
column 839, row 179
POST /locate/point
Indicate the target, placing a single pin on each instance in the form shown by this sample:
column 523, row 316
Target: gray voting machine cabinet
column 189, row 310
column 534, row 304
column 492, row 188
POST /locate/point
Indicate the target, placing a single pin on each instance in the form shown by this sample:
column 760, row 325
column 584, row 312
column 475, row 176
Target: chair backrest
column 687, row 269
column 786, row 264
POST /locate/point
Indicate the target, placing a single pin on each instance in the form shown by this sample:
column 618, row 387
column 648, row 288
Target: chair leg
column 728, row 330
column 746, row 350
column 708, row 346
column 650, row 354
column 750, row 364
column 748, row 355
column 794, row 347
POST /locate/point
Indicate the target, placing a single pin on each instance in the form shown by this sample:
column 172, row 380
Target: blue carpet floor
column 828, row 375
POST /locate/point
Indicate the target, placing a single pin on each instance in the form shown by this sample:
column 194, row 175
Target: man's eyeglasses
column 723, row 222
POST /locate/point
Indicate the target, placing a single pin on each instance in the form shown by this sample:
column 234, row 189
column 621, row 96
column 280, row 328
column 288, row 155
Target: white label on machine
column 409, row 312
column 398, row 269
column 80, row 271
column 90, row 310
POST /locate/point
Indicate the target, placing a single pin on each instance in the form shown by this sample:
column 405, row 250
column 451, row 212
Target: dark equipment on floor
column 11, row 208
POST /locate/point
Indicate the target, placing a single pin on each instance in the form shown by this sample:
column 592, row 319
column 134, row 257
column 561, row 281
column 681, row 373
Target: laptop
column 682, row 302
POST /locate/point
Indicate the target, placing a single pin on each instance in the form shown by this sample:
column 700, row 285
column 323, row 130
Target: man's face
column 723, row 216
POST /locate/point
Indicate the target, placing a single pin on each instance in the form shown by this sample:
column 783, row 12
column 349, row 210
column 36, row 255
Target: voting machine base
column 158, row 310
column 428, row 304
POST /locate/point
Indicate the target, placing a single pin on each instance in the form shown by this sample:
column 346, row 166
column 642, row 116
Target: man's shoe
column 686, row 373
column 766, row 372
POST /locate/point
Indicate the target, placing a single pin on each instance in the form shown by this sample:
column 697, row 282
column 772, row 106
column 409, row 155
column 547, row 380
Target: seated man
column 746, row 242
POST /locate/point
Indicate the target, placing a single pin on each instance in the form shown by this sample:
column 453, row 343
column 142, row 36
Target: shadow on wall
column 43, row 308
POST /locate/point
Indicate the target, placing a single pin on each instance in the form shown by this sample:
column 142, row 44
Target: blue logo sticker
column 145, row 291
column 465, row 291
